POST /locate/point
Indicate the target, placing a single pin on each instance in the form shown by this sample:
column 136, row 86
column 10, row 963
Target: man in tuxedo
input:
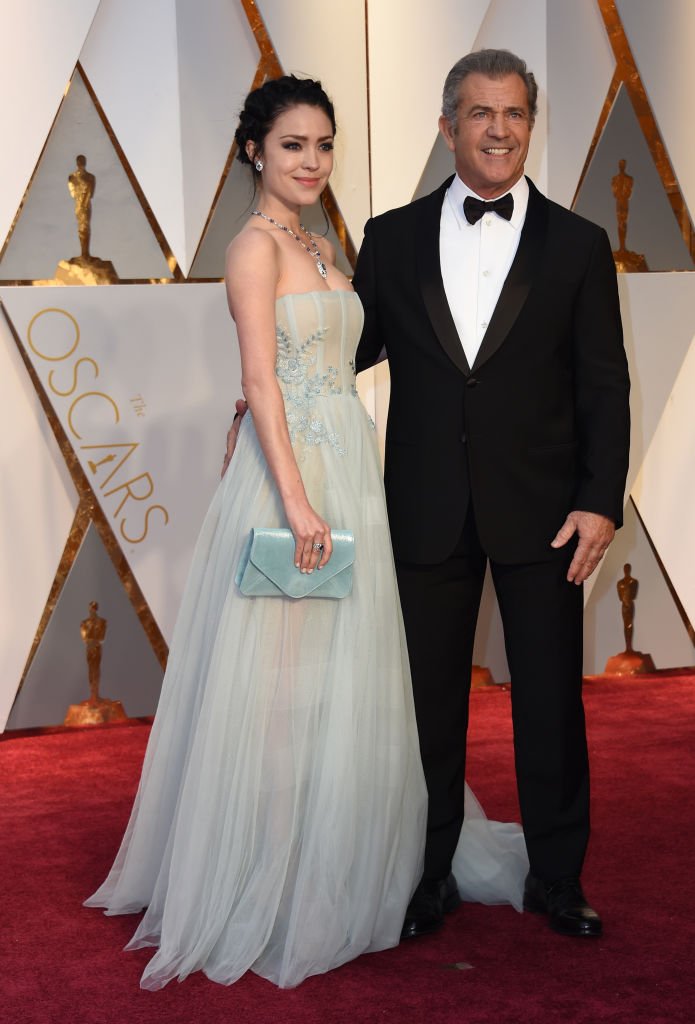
column 507, row 443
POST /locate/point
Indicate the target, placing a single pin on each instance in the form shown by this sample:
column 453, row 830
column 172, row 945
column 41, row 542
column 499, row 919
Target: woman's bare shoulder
column 252, row 268
column 252, row 241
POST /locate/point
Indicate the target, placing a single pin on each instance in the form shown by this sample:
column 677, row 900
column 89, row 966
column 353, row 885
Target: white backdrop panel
column 657, row 312
column 665, row 487
column 658, row 325
column 39, row 47
column 218, row 56
column 37, row 505
column 328, row 41
column 147, row 395
column 661, row 36
column 412, row 46
column 580, row 65
column 131, row 60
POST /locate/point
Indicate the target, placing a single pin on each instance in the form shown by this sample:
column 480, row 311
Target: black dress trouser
column 542, row 617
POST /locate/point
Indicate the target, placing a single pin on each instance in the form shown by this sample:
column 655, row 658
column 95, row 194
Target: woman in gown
column 279, row 823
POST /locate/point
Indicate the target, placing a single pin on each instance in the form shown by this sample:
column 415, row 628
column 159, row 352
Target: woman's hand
column 233, row 433
column 312, row 535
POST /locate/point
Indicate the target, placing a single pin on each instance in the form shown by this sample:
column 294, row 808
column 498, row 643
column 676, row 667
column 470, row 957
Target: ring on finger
column 316, row 546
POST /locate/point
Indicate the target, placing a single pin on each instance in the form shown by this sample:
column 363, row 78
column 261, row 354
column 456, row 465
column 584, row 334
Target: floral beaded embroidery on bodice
column 317, row 334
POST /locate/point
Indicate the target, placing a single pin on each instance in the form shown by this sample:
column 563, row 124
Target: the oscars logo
column 89, row 413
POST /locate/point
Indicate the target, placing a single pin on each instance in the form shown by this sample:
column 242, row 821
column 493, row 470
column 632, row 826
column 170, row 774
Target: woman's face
column 297, row 156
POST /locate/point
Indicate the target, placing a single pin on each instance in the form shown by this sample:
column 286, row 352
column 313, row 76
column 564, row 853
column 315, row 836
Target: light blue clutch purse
column 266, row 567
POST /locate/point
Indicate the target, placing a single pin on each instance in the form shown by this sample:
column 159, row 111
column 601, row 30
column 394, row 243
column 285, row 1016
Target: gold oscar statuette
column 96, row 710
column 629, row 662
column 84, row 269
column 626, row 261
column 481, row 676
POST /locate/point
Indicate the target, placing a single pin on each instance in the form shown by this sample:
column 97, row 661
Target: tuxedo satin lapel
column 520, row 278
column 430, row 276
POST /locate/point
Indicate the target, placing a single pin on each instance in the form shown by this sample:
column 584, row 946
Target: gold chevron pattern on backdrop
column 627, row 74
column 269, row 64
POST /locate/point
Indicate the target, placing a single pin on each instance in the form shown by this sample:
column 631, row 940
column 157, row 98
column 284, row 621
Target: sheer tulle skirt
column 280, row 817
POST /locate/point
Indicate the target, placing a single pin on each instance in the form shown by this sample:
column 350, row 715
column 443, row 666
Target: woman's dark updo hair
column 265, row 104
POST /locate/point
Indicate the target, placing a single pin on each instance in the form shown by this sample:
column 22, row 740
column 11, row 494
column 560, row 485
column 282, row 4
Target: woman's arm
column 233, row 434
column 251, row 276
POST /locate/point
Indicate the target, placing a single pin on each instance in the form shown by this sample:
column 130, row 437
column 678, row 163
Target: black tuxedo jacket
column 538, row 426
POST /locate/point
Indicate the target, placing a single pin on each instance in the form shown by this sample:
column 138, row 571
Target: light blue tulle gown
column 279, row 823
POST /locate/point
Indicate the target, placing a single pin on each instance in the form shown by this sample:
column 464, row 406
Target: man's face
column 492, row 132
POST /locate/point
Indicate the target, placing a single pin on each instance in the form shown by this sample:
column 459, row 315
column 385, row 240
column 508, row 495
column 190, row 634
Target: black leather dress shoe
column 431, row 901
column 564, row 903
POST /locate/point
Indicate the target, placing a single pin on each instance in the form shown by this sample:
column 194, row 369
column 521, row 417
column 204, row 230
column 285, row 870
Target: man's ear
column 447, row 132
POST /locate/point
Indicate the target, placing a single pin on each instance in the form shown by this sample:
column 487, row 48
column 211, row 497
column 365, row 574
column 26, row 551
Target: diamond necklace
column 313, row 252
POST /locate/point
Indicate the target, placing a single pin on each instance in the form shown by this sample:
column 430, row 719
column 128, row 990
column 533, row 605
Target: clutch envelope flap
column 271, row 554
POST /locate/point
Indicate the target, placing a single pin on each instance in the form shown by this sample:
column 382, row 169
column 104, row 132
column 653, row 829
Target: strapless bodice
column 317, row 335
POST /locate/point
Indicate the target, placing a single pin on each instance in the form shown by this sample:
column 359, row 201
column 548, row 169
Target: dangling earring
column 258, row 165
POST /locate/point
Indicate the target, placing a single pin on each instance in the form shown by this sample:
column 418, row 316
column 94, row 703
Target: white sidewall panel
column 40, row 44
column 37, row 506
column 580, row 69
column 664, row 490
column 218, row 57
column 657, row 311
column 412, row 47
column 131, row 60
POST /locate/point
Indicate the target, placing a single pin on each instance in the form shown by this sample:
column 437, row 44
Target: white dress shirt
column 475, row 260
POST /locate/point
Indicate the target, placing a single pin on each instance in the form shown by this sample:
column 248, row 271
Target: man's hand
column 595, row 534
column 233, row 433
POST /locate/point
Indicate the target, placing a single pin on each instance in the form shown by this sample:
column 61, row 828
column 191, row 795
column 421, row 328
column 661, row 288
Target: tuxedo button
column 463, row 439
column 472, row 382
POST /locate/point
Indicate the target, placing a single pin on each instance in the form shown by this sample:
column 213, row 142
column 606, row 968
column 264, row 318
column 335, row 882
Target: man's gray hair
column 494, row 64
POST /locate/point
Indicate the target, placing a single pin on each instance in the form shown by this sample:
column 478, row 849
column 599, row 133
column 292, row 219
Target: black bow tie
column 475, row 208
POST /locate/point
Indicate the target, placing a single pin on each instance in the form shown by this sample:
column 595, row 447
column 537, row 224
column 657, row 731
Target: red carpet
column 65, row 801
